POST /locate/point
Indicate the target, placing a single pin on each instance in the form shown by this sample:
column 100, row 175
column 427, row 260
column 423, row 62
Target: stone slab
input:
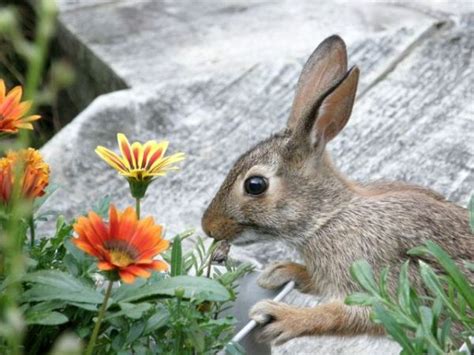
column 151, row 41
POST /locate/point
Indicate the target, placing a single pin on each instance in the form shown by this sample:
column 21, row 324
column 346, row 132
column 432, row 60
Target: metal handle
column 252, row 324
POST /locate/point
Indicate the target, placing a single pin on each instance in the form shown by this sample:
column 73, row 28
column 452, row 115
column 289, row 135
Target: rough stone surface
column 144, row 41
column 229, row 83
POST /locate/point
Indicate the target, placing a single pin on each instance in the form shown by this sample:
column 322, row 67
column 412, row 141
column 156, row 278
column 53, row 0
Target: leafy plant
column 168, row 313
column 436, row 323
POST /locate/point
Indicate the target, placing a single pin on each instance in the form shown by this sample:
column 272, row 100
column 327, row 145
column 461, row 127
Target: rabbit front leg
column 282, row 322
column 279, row 273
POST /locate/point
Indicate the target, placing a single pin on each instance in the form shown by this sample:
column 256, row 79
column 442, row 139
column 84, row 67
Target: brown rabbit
column 286, row 188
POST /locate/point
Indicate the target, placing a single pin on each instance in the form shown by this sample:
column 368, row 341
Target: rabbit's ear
column 324, row 68
column 328, row 116
column 336, row 108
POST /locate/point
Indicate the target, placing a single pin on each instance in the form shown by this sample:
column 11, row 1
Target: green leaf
column 393, row 328
column 437, row 308
column 130, row 310
column 136, row 330
column 102, row 206
column 56, row 285
column 452, row 270
column 47, row 318
column 444, row 332
column 427, row 324
column 403, row 288
column 201, row 288
column 78, row 254
column 362, row 272
column 92, row 307
column 196, row 336
column 127, row 290
column 176, row 257
column 431, row 280
column 157, row 320
column 383, row 283
column 360, row 299
column 118, row 340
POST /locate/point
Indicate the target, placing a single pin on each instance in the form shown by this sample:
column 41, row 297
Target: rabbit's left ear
column 326, row 66
column 336, row 108
column 328, row 116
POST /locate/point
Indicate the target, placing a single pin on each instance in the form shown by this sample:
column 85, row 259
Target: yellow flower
column 34, row 174
column 140, row 163
column 13, row 111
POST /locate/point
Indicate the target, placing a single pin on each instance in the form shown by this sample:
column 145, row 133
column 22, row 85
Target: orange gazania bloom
column 34, row 174
column 13, row 111
column 125, row 244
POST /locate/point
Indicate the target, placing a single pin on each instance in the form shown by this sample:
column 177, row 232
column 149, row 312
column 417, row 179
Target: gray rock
column 214, row 80
column 151, row 41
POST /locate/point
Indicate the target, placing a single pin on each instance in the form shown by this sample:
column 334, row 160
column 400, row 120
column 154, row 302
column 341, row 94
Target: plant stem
column 211, row 258
column 179, row 337
column 95, row 333
column 46, row 11
column 137, row 207
column 32, row 231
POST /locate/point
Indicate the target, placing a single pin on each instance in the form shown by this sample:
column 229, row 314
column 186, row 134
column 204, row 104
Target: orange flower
column 12, row 111
column 125, row 244
column 34, row 174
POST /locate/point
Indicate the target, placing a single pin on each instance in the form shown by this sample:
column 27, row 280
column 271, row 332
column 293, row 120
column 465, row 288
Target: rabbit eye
column 256, row 185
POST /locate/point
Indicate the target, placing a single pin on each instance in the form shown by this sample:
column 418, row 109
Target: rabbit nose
column 211, row 233
column 219, row 227
column 207, row 224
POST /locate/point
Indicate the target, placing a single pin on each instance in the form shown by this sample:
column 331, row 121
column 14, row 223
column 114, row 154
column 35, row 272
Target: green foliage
column 436, row 323
column 63, row 290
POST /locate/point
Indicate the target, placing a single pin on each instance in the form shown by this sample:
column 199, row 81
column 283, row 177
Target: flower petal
column 126, row 276
column 159, row 265
column 2, row 90
column 138, row 271
column 158, row 153
column 125, row 150
column 112, row 159
column 105, row 266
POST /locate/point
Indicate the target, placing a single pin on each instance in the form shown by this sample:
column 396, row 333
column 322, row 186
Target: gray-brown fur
column 331, row 220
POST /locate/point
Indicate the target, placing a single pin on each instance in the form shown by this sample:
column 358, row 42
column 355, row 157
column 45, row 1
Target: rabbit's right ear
column 324, row 68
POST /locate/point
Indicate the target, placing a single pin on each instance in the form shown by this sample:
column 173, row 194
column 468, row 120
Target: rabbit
column 286, row 188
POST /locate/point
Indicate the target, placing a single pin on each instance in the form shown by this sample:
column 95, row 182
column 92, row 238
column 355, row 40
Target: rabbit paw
column 280, row 322
column 279, row 273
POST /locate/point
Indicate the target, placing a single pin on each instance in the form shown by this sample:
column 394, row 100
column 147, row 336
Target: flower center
column 140, row 174
column 120, row 258
column 121, row 253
